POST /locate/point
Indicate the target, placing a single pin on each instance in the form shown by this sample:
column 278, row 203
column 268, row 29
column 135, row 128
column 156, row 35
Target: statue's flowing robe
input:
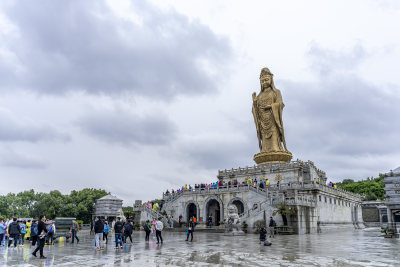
column 269, row 121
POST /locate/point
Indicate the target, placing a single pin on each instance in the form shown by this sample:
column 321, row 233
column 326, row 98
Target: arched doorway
column 239, row 205
column 191, row 210
column 213, row 209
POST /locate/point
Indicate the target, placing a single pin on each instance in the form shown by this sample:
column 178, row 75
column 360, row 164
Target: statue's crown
column 265, row 72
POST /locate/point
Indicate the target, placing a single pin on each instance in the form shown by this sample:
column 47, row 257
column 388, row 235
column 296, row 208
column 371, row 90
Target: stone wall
column 320, row 208
column 370, row 214
column 301, row 187
column 290, row 172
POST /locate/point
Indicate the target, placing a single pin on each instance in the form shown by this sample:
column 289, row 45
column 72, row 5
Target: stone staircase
column 152, row 214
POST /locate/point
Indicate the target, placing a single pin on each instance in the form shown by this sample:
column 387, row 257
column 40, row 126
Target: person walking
column 13, row 232
column 159, row 227
column 147, row 229
column 98, row 231
column 190, row 229
column 3, row 229
column 22, row 227
column 272, row 224
column 42, row 233
column 118, row 226
column 128, row 230
column 153, row 228
column 34, row 232
column 74, row 231
column 209, row 221
column 28, row 230
column 51, row 233
column 106, row 231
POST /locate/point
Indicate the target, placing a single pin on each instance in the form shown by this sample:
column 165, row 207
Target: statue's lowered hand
column 254, row 96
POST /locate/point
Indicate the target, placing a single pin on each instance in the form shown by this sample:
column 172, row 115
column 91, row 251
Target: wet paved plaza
column 340, row 248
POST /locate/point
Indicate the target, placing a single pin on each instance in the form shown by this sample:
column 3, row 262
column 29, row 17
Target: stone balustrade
column 276, row 188
column 274, row 167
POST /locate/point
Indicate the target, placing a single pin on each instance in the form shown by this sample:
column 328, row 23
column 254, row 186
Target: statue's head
column 266, row 79
column 232, row 209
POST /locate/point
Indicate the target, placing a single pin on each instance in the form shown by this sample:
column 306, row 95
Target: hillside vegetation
column 371, row 188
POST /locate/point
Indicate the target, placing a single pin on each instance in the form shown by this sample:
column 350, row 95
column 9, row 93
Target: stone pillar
column 389, row 216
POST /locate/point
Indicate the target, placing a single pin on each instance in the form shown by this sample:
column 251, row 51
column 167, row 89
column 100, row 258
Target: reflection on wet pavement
column 341, row 248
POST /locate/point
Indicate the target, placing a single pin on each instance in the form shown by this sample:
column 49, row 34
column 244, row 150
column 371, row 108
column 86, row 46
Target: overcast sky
column 138, row 97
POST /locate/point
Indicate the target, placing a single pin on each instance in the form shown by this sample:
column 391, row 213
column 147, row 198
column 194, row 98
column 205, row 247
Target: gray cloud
column 218, row 154
column 10, row 158
column 343, row 123
column 123, row 127
column 324, row 61
column 13, row 128
column 84, row 45
column 341, row 118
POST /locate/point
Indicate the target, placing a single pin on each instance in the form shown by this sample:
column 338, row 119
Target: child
column 263, row 234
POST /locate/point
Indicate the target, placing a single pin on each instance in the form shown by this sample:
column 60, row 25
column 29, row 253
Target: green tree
column 128, row 212
column 79, row 204
column 371, row 188
column 84, row 200
column 284, row 210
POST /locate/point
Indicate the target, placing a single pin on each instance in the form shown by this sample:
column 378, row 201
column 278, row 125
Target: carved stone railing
column 307, row 201
column 265, row 191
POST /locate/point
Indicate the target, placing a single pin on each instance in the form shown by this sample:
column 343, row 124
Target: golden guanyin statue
column 267, row 112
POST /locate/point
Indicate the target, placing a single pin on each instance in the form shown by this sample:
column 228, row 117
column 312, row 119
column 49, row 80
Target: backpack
column 23, row 228
column 146, row 227
column 51, row 229
column 267, row 243
column 34, row 230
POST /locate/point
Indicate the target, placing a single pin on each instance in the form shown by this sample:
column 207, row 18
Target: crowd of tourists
column 41, row 232
column 14, row 231
column 262, row 183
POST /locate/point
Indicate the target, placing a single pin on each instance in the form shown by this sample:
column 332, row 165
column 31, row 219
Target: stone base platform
column 279, row 156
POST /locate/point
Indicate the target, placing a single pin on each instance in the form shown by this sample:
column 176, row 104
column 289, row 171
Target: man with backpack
column 51, row 233
column 42, row 234
column 22, row 227
column 118, row 227
column 13, row 231
column 34, row 232
column 159, row 227
column 74, row 231
column 98, row 230
column 147, row 229
column 128, row 230
column 272, row 225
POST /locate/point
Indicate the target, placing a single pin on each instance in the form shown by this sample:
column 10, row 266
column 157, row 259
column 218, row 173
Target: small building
column 108, row 207
column 392, row 194
column 374, row 213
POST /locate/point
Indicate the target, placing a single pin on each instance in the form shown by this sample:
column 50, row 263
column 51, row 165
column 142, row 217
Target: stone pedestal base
column 280, row 156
